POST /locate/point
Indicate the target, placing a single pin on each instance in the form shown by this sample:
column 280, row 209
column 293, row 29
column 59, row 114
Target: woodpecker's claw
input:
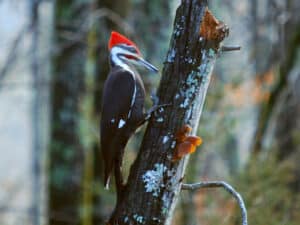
column 154, row 109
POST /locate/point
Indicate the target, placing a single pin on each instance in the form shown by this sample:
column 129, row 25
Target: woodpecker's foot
column 186, row 144
column 154, row 109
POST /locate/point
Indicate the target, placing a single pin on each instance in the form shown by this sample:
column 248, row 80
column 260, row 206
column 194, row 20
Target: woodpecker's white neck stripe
column 117, row 60
column 132, row 99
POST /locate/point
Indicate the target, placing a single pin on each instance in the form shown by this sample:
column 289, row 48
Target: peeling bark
column 154, row 182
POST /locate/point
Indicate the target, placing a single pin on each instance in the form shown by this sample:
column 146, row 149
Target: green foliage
column 267, row 191
column 59, row 176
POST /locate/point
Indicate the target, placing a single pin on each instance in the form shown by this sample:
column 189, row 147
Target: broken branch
column 230, row 48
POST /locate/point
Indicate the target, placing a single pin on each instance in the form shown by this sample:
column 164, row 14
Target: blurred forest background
column 53, row 62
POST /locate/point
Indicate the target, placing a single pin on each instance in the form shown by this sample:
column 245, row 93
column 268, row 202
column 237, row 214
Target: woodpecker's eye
column 130, row 57
column 132, row 49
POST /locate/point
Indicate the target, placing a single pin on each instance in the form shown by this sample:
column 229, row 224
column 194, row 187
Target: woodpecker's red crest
column 124, row 53
column 117, row 38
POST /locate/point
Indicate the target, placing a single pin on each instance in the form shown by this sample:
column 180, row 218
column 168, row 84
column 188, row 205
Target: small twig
column 230, row 48
column 79, row 36
column 115, row 18
column 12, row 55
column 227, row 187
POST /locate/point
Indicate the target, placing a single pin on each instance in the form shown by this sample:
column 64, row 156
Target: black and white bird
column 122, row 103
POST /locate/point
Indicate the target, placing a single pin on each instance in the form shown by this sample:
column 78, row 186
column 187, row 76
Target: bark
column 154, row 182
column 66, row 152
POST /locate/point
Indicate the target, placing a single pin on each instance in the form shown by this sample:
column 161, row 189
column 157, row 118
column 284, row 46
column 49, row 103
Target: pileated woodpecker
column 122, row 103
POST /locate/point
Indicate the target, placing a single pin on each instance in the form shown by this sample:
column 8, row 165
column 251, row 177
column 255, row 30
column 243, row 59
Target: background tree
column 66, row 150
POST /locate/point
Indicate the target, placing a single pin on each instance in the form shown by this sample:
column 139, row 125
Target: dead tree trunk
column 155, row 180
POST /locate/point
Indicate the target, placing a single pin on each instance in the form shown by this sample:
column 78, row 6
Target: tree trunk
column 157, row 18
column 287, row 51
column 286, row 96
column 36, row 115
column 66, row 152
column 155, row 179
column 278, row 124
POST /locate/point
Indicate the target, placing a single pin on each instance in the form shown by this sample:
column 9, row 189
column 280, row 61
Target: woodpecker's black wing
column 119, row 89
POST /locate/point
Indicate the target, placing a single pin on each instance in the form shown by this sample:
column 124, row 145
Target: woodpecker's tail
column 112, row 156
column 107, row 174
column 106, row 181
column 108, row 161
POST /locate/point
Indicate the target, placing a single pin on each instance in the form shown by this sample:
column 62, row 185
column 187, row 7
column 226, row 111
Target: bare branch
column 79, row 36
column 12, row 55
column 227, row 187
column 230, row 48
column 114, row 17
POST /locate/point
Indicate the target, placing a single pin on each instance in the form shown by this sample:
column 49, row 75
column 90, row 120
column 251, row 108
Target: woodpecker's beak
column 146, row 64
